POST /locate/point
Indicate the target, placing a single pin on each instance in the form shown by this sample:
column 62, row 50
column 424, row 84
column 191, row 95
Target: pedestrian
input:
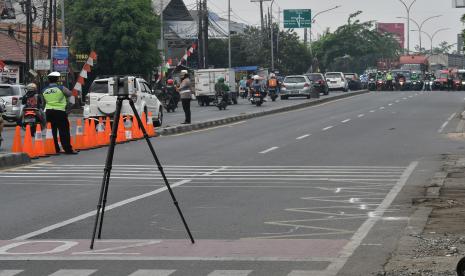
column 56, row 99
column 450, row 81
column 186, row 95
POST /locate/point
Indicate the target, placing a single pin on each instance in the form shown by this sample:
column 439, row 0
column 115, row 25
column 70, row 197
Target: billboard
column 294, row 19
column 397, row 29
column 60, row 59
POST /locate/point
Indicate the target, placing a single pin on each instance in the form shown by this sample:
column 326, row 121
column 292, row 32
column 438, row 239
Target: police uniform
column 55, row 105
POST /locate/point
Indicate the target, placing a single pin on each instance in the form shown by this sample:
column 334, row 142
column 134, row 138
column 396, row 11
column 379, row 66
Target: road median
column 177, row 129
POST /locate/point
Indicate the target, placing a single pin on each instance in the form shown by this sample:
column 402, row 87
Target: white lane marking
column 372, row 111
column 346, row 121
column 404, row 98
column 410, row 96
column 207, row 129
column 92, row 213
column 327, row 128
column 362, row 232
column 230, row 273
column 390, row 104
column 303, row 137
column 397, row 101
column 382, row 108
column 268, row 150
column 361, row 115
column 73, row 272
column 306, row 273
column 152, row 272
column 441, row 129
column 10, row 272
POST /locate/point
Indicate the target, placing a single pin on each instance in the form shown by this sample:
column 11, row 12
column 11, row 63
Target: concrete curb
column 13, row 159
column 208, row 124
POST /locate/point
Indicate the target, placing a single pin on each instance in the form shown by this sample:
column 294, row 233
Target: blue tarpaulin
column 246, row 68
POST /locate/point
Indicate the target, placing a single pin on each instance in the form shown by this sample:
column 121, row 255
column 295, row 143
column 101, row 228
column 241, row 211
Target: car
column 11, row 94
column 98, row 102
column 354, row 81
column 319, row 82
column 441, row 80
column 296, row 86
column 337, row 81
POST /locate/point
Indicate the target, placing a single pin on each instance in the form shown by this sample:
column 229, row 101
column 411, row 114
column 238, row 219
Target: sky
column 384, row 11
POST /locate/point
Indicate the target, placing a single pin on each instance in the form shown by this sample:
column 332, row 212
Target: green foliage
column 354, row 47
column 254, row 48
column 123, row 33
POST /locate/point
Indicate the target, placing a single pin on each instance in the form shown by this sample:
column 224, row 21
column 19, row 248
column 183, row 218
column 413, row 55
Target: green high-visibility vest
column 55, row 99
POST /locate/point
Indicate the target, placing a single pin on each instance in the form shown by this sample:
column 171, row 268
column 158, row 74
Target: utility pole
column 261, row 15
column 200, row 35
column 162, row 35
column 63, row 30
column 229, row 34
column 305, row 36
column 205, row 34
column 272, row 31
column 28, row 41
column 55, row 34
column 50, row 28
column 44, row 24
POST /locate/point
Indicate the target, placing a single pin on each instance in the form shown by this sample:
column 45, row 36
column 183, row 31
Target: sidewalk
column 434, row 241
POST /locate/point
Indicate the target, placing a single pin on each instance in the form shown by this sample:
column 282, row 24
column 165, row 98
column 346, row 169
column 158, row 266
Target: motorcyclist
column 429, row 80
column 389, row 80
column 257, row 85
column 33, row 99
column 222, row 89
column 273, row 83
column 243, row 86
column 171, row 94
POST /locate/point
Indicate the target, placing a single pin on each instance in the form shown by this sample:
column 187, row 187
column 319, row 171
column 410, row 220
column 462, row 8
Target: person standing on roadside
column 56, row 99
column 185, row 91
column 450, row 81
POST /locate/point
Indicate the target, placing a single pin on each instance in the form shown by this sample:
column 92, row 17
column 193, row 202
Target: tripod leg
column 106, row 176
column 160, row 168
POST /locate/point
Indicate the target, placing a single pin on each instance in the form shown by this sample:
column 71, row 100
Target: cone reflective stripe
column 150, row 128
column 107, row 131
column 39, row 147
column 101, row 132
column 128, row 129
column 17, row 146
column 49, row 144
column 27, row 147
column 121, row 134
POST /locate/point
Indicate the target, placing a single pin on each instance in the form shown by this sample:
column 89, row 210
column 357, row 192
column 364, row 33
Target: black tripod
column 108, row 166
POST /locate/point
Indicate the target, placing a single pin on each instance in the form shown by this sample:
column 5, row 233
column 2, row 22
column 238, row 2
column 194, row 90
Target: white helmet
column 272, row 75
column 31, row 87
column 54, row 74
column 256, row 77
column 184, row 72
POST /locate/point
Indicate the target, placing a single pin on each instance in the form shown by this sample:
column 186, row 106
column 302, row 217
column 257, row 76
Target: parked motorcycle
column 273, row 92
column 31, row 117
column 256, row 98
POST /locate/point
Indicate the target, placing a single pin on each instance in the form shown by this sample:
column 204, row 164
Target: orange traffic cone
column 144, row 123
column 49, row 143
column 39, row 146
column 150, row 128
column 17, row 147
column 100, row 133
column 121, row 136
column 79, row 138
column 107, row 131
column 27, row 147
column 135, row 128
column 93, row 134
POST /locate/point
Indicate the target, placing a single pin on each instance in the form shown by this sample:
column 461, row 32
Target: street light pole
column 420, row 26
column 272, row 31
column 407, row 8
column 310, row 35
column 431, row 37
column 229, row 34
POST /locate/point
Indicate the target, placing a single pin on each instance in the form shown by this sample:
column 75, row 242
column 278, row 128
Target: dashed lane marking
column 303, row 137
column 230, row 273
column 152, row 272
column 346, row 121
column 74, row 272
column 327, row 128
column 361, row 115
column 443, row 126
column 390, row 104
column 10, row 272
column 382, row 108
column 269, row 150
column 372, row 111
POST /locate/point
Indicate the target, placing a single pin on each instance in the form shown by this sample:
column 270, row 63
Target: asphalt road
column 324, row 190
column 199, row 114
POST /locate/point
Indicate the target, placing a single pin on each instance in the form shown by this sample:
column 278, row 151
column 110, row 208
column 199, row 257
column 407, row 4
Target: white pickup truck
column 205, row 80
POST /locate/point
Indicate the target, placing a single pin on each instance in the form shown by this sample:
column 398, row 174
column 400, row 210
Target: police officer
column 55, row 104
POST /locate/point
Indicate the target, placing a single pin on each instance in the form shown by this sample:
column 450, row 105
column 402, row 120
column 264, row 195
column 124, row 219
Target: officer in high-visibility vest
column 56, row 99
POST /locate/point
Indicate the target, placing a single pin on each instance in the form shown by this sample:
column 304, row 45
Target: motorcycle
column 2, row 110
column 273, row 92
column 372, row 85
column 243, row 92
column 379, row 85
column 31, row 117
column 256, row 98
column 170, row 103
column 416, row 85
column 222, row 101
column 428, row 85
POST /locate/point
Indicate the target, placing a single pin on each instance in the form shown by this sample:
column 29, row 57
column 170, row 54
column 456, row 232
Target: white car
column 100, row 104
column 11, row 94
column 337, row 81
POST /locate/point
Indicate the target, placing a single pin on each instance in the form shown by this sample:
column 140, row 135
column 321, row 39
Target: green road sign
column 294, row 19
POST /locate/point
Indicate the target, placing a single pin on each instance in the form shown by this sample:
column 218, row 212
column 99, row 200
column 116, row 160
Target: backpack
column 272, row 82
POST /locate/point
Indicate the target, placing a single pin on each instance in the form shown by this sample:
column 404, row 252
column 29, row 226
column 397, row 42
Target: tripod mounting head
column 122, row 86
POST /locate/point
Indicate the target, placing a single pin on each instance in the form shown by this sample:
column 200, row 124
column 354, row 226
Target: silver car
column 12, row 94
column 296, row 86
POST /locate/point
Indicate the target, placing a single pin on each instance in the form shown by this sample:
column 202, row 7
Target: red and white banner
column 84, row 73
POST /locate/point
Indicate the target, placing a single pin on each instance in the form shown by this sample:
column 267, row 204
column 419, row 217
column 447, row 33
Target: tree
column 123, row 33
column 354, row 46
column 443, row 48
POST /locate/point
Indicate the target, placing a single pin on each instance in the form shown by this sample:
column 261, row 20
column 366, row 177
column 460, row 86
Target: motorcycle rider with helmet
column 222, row 90
column 33, row 99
